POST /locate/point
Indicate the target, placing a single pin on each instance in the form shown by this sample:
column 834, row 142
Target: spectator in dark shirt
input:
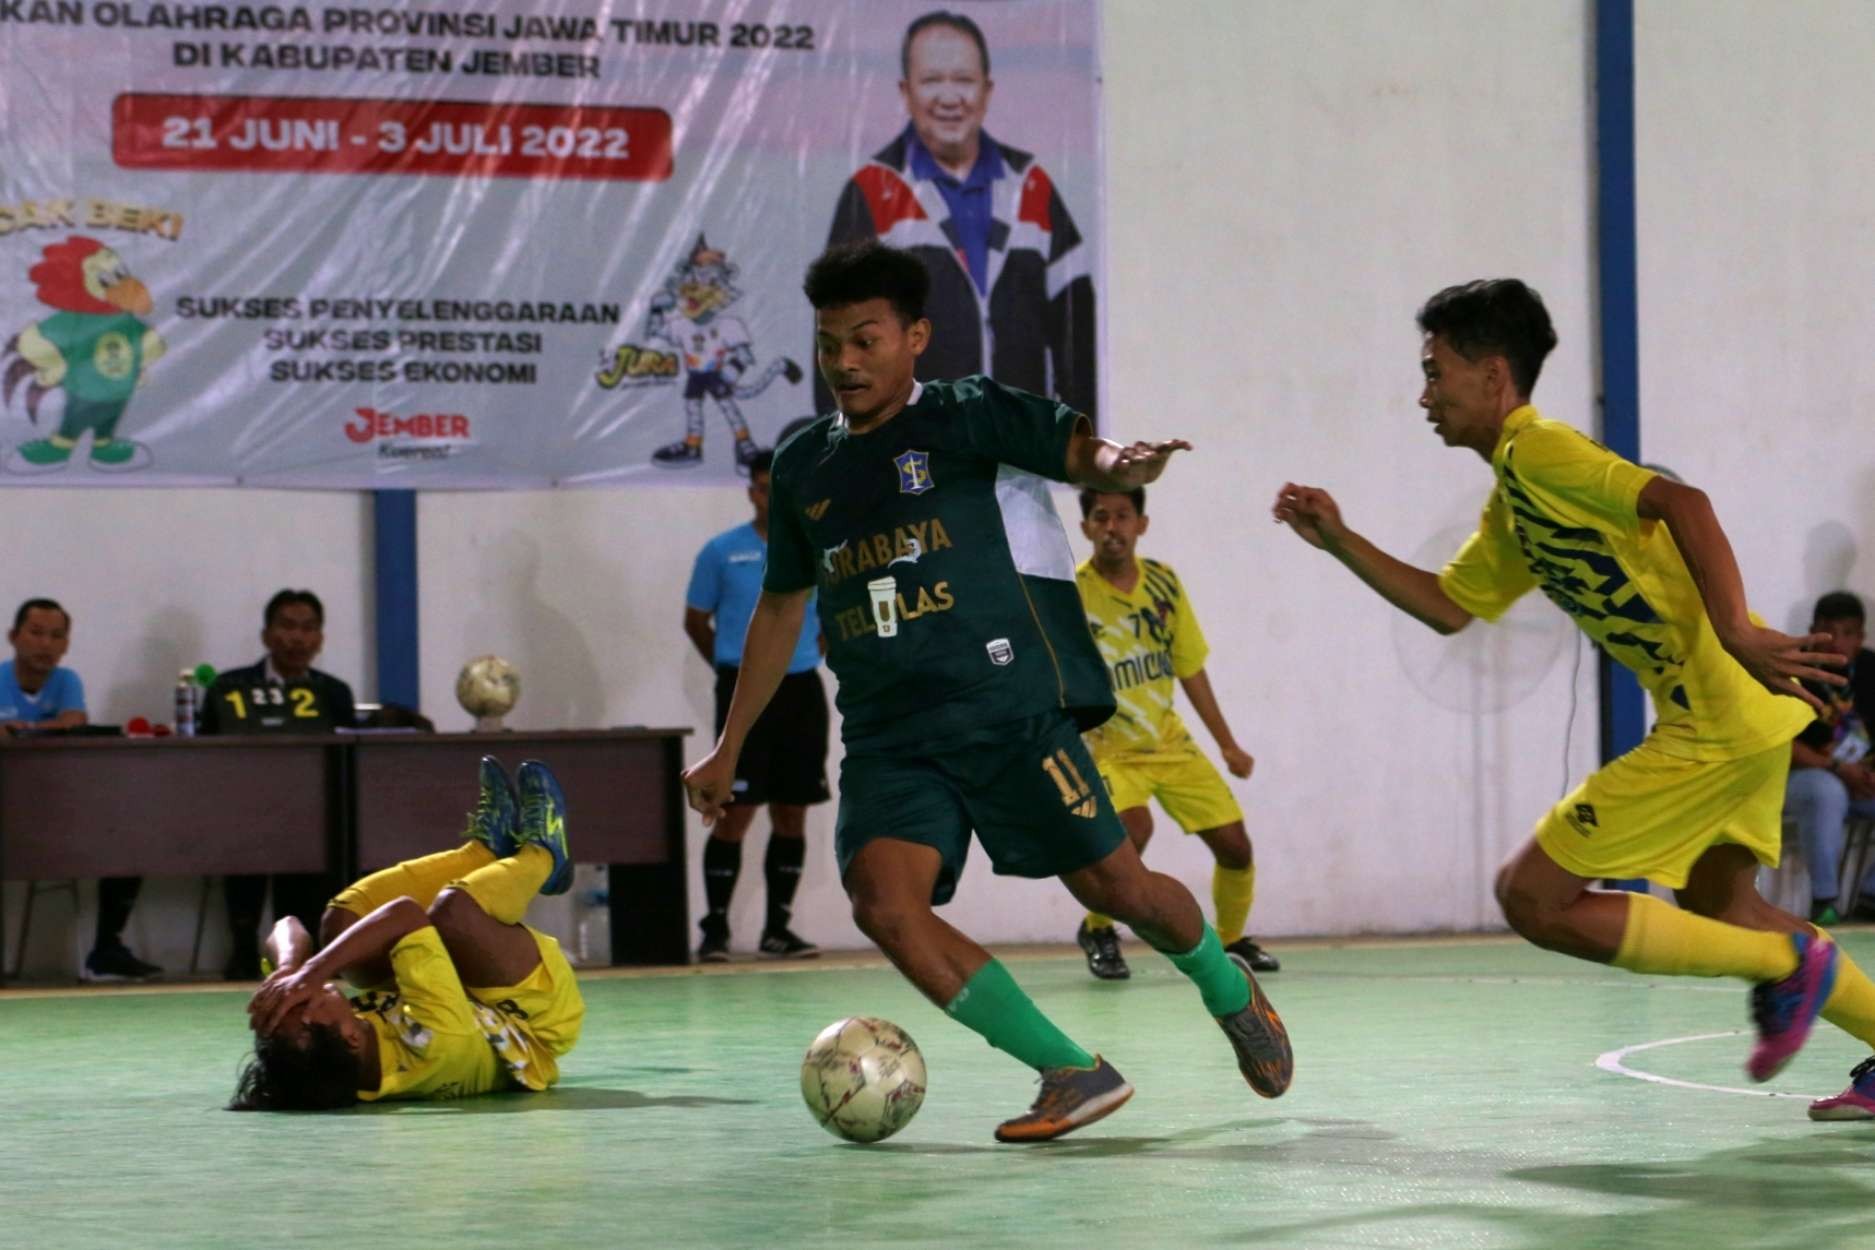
column 1831, row 778
column 281, row 694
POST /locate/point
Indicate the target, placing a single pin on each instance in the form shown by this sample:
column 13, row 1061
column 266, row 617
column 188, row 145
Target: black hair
column 1090, row 495
column 1494, row 317
column 939, row 17
column 852, row 273
column 321, row 1076
column 40, row 605
column 762, row 461
column 1838, row 605
column 293, row 598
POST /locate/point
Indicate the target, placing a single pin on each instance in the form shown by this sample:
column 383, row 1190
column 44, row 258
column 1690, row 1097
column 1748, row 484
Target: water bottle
column 187, row 696
column 592, row 913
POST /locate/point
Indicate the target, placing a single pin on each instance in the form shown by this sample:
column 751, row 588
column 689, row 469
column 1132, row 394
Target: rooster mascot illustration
column 93, row 347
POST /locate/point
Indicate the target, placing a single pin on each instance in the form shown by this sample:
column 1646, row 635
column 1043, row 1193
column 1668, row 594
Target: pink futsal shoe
column 1784, row 1010
column 1855, row 1103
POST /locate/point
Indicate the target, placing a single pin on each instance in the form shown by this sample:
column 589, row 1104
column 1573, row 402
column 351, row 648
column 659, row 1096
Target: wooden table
column 342, row 803
column 625, row 808
column 169, row 807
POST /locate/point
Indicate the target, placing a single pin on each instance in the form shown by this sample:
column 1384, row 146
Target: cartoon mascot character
column 717, row 354
column 93, row 347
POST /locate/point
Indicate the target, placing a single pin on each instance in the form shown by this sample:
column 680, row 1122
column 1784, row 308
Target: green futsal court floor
column 1447, row 1094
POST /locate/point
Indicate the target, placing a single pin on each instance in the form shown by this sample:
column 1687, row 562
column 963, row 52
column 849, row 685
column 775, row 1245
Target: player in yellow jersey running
column 1149, row 637
column 1641, row 564
column 462, row 997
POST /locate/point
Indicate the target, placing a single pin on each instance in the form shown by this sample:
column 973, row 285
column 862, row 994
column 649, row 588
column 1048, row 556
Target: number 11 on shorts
column 1076, row 795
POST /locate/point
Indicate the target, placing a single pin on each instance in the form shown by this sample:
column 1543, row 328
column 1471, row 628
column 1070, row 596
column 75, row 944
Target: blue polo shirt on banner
column 726, row 582
column 970, row 201
column 63, row 692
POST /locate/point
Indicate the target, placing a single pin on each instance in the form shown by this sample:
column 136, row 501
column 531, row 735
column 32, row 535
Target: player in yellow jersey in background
column 1149, row 638
column 462, row 998
column 1641, row 564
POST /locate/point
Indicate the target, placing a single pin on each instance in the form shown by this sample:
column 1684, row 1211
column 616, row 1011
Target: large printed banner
column 474, row 244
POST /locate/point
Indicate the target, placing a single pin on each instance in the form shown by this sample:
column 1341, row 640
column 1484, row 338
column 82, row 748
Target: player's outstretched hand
column 708, row 783
column 1310, row 512
column 1140, row 464
column 1780, row 661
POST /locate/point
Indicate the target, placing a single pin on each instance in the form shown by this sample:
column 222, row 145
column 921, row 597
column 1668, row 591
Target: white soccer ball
column 487, row 687
column 863, row 1078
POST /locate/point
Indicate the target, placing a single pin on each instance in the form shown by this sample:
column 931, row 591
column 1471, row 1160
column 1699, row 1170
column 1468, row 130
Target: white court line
column 1611, row 1061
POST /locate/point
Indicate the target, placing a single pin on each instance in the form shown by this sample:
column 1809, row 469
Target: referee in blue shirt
column 784, row 760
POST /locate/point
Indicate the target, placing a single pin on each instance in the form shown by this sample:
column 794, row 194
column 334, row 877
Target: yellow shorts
column 1187, row 785
column 1650, row 814
column 540, row 1017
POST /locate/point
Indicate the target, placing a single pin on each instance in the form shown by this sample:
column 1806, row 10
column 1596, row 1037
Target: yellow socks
column 1097, row 921
column 421, row 879
column 1851, row 1005
column 1664, row 939
column 1232, row 890
column 504, row 887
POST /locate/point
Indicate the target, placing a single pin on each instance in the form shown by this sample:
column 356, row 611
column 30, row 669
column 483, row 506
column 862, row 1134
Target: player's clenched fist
column 1310, row 512
column 707, row 784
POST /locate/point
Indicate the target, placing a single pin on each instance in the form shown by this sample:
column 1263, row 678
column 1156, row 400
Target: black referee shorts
column 784, row 759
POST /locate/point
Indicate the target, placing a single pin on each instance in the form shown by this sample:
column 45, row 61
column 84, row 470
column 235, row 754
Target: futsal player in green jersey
column 1150, row 641
column 1642, row 566
column 966, row 673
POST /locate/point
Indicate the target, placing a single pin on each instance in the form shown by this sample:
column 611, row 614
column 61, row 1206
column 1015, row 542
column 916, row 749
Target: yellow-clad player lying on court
column 1148, row 636
column 1643, row 567
column 462, row 998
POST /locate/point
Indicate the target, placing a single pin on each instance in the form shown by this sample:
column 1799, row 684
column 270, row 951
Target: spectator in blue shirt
column 784, row 761
column 36, row 693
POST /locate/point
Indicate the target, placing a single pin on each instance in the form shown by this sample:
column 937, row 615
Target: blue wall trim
column 1623, row 703
column 394, row 544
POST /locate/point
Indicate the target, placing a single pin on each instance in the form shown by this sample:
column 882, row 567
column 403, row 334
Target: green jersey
column 946, row 582
column 103, row 353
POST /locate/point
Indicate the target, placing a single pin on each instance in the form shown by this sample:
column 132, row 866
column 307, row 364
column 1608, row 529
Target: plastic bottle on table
column 188, row 701
column 592, row 914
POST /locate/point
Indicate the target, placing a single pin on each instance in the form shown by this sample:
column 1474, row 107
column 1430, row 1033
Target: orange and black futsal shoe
column 1070, row 1098
column 1262, row 1043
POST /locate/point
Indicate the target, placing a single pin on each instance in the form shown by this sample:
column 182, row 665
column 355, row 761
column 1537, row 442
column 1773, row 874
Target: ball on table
column 488, row 687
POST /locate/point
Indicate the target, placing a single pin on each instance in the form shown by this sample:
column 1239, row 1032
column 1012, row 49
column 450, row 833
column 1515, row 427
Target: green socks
column 992, row 1005
column 1220, row 983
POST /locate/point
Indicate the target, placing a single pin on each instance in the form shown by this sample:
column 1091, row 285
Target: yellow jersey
column 1149, row 639
column 434, row 1041
column 1564, row 517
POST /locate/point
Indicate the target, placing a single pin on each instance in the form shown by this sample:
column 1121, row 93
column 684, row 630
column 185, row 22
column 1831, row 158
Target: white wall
column 1756, row 206
column 1287, row 183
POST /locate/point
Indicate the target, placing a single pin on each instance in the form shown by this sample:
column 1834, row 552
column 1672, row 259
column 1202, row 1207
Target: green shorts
column 1031, row 793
